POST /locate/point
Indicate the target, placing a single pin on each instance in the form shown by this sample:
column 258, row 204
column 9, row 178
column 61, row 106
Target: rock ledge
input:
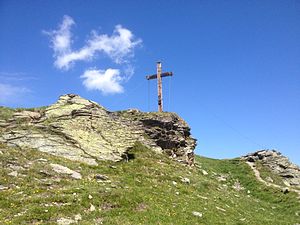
column 278, row 164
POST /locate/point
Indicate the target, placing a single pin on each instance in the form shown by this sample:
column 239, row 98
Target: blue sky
column 236, row 64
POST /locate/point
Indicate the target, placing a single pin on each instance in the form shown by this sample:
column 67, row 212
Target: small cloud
column 128, row 71
column 119, row 46
column 107, row 81
column 10, row 93
column 61, row 38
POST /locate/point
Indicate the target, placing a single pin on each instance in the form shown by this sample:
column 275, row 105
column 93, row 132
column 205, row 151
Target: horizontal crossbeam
column 154, row 76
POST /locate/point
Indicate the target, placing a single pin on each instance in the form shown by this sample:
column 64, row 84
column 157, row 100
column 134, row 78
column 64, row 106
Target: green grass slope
column 148, row 189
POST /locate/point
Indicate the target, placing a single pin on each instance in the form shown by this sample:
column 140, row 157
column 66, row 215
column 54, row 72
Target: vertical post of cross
column 159, row 75
column 159, row 87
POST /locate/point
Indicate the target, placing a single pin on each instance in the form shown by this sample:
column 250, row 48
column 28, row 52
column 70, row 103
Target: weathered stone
column 27, row 115
column 65, row 170
column 13, row 174
column 15, row 167
column 65, row 221
column 42, row 160
column 221, row 178
column 278, row 164
column 198, row 214
column 285, row 190
column 185, row 180
column 92, row 208
column 3, row 187
column 82, row 130
column 204, row 172
column 221, row 209
column 101, row 177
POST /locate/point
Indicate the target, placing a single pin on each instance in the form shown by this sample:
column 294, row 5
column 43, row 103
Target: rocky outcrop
column 278, row 164
column 165, row 132
column 82, row 130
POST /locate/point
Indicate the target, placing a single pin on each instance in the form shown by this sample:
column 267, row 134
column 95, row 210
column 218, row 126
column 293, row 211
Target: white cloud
column 61, row 39
column 128, row 71
column 106, row 81
column 119, row 46
column 9, row 93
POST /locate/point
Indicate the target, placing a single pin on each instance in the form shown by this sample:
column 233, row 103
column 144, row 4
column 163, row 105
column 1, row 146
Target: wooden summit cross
column 159, row 75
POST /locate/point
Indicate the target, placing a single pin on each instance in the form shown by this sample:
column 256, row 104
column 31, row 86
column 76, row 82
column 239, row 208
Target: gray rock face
column 278, row 164
column 165, row 132
column 82, row 130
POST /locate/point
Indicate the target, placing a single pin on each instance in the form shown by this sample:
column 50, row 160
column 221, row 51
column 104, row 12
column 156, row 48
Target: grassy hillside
column 6, row 113
column 148, row 189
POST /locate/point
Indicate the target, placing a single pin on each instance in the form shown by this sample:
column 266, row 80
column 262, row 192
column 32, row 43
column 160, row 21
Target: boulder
column 65, row 170
column 27, row 115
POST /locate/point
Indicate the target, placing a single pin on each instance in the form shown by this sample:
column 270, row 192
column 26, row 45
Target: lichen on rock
column 82, row 130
